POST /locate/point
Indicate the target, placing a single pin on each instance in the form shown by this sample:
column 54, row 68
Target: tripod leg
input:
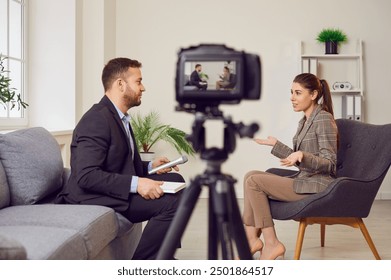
column 229, row 221
column 212, row 228
column 221, row 206
column 179, row 223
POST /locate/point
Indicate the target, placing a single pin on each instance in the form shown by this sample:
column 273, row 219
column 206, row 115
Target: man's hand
column 149, row 189
column 162, row 160
column 292, row 159
column 270, row 141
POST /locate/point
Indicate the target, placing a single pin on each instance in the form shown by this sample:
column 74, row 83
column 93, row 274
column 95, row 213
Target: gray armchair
column 364, row 157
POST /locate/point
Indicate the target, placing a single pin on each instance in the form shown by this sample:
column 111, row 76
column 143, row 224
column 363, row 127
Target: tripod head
column 197, row 138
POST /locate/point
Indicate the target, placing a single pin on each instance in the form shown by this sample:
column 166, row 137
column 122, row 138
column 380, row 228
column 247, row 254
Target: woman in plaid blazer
column 314, row 153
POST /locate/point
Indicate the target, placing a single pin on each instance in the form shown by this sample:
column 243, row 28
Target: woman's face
column 302, row 99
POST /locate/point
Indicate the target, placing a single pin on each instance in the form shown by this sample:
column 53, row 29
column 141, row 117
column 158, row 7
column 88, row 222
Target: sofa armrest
column 11, row 249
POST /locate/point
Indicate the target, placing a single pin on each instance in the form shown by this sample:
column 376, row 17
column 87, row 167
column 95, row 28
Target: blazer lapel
column 296, row 137
column 106, row 101
column 305, row 125
column 137, row 164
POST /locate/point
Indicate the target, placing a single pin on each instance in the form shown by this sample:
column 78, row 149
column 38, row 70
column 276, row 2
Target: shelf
column 339, row 68
column 352, row 91
column 331, row 56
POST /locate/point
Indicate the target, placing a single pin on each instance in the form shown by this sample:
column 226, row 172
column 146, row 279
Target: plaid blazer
column 317, row 139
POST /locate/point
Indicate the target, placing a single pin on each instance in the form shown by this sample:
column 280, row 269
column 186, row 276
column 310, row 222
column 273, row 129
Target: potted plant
column 204, row 77
column 148, row 130
column 7, row 93
column 332, row 38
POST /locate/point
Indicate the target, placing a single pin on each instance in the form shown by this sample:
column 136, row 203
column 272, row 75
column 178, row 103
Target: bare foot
column 273, row 251
column 256, row 246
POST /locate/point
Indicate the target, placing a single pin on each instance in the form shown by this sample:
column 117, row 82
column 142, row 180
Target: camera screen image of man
column 195, row 79
column 106, row 168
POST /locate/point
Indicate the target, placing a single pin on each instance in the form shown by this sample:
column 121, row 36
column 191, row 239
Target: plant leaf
column 149, row 130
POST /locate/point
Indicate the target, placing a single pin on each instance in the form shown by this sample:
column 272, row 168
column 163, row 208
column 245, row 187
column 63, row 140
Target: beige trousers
column 258, row 186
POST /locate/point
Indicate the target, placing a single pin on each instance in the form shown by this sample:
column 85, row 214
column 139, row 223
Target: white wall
column 96, row 33
column 153, row 32
column 51, row 64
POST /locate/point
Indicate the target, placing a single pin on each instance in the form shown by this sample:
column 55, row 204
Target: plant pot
column 147, row 156
column 331, row 47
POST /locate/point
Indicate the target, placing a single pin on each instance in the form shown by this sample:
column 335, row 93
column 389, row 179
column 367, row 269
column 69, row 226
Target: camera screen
column 209, row 75
column 213, row 76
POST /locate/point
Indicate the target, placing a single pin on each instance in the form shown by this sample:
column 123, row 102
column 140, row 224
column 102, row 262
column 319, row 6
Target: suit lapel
column 296, row 140
column 305, row 126
column 106, row 101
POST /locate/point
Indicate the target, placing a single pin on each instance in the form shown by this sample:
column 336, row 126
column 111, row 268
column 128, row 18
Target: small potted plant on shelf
column 332, row 37
column 7, row 93
column 148, row 130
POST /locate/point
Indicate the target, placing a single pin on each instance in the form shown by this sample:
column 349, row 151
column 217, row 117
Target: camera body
column 243, row 77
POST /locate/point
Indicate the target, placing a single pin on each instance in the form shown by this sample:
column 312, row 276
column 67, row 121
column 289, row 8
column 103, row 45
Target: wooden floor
column 341, row 242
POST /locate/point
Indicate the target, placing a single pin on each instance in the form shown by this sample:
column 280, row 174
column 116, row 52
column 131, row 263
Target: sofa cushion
column 4, row 189
column 33, row 164
column 43, row 242
column 88, row 228
column 11, row 249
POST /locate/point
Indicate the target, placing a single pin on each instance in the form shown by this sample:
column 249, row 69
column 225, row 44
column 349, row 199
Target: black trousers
column 159, row 214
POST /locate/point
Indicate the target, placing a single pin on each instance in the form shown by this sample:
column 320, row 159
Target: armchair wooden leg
column 368, row 238
column 322, row 234
column 300, row 238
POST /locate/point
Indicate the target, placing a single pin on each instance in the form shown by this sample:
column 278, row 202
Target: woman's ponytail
column 327, row 102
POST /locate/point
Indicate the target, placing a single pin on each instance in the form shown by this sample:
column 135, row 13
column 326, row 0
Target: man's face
column 134, row 87
column 199, row 69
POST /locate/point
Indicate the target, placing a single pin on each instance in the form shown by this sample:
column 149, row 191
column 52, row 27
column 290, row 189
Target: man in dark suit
column 106, row 168
column 195, row 79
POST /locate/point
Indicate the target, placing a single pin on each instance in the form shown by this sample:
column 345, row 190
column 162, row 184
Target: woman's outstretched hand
column 270, row 141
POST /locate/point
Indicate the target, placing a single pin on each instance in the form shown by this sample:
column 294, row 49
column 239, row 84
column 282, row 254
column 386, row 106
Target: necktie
column 127, row 129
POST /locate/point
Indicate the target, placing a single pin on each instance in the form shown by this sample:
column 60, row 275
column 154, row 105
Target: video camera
column 242, row 82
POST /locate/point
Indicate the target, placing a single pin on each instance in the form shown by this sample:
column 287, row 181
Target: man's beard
column 129, row 100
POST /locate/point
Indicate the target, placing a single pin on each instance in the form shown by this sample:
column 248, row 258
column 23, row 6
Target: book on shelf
column 172, row 187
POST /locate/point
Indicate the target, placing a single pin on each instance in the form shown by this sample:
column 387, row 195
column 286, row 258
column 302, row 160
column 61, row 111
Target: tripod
column 224, row 223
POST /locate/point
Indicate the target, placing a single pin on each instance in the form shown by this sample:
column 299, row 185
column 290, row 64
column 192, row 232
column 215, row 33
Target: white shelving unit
column 346, row 67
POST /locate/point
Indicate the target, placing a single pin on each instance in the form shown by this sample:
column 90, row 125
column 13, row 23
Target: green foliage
column 331, row 35
column 148, row 130
column 7, row 93
column 203, row 76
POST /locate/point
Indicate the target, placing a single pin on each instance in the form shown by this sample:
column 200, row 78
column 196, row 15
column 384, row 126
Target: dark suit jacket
column 101, row 162
column 317, row 139
column 195, row 79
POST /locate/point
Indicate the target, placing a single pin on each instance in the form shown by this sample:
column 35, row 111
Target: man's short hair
column 197, row 65
column 115, row 69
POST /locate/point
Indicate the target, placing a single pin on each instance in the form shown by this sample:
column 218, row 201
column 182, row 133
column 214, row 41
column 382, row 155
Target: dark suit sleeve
column 195, row 79
column 95, row 165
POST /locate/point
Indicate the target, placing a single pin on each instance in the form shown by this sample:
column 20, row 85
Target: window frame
column 8, row 122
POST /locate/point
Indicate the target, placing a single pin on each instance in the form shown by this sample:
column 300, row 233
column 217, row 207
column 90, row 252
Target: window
column 12, row 47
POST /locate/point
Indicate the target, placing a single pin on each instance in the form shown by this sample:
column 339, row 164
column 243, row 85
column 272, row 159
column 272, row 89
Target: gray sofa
column 31, row 227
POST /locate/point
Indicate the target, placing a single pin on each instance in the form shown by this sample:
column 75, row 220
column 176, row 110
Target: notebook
column 172, row 187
